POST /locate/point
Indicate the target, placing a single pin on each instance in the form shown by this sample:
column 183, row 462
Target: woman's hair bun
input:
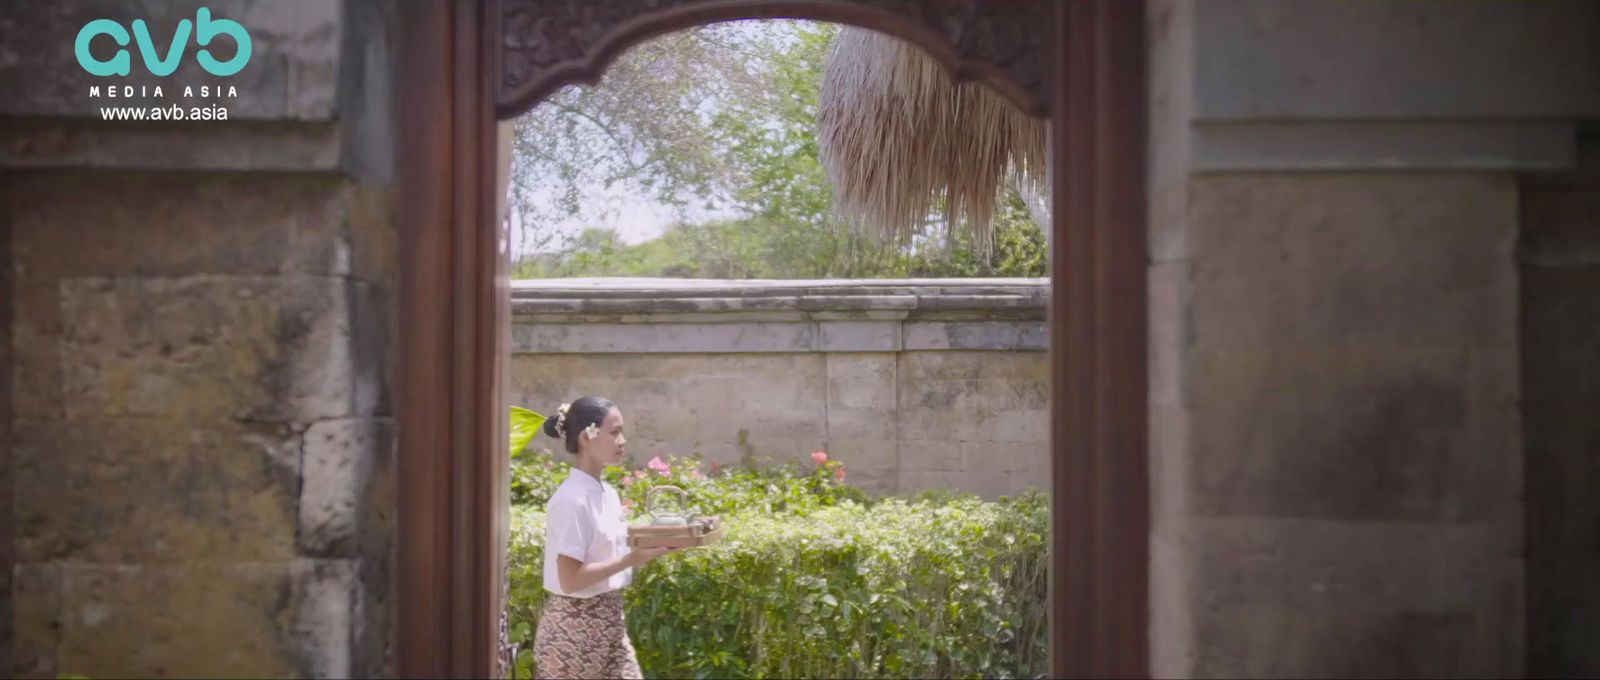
column 552, row 426
column 556, row 424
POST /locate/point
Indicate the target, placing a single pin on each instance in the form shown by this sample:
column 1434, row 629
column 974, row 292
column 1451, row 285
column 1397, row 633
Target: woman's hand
column 642, row 555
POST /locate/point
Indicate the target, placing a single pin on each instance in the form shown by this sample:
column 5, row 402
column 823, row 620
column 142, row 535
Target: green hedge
column 813, row 581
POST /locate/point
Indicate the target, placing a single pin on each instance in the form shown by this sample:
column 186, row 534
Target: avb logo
column 204, row 28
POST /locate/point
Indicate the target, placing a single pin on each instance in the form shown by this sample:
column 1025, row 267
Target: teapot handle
column 650, row 499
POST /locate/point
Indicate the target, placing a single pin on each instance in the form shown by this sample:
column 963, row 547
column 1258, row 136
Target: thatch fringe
column 904, row 145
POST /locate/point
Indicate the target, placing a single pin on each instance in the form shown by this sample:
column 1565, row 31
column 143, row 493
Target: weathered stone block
column 1393, row 60
column 664, row 338
column 1006, row 456
column 842, row 336
column 1351, row 599
column 1354, row 434
column 221, row 347
column 340, row 459
column 1558, row 226
column 856, row 423
column 275, row 619
column 976, row 335
column 1022, row 366
column 35, row 597
column 876, row 454
column 914, row 480
column 1337, row 259
column 1263, row 641
column 1172, row 632
column 1171, row 466
column 868, row 393
column 149, row 489
column 1170, row 330
column 323, row 614
column 56, row 143
column 101, row 224
column 35, row 336
column 1561, row 380
column 878, row 482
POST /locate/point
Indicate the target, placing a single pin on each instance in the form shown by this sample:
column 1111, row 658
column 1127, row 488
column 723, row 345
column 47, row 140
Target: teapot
column 667, row 519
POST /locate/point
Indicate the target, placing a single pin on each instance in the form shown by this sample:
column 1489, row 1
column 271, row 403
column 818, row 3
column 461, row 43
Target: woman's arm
column 576, row 575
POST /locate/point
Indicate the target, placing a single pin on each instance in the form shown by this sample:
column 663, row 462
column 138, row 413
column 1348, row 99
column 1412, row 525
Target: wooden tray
column 702, row 531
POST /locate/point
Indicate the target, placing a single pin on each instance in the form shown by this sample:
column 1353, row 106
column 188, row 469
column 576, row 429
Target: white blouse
column 584, row 521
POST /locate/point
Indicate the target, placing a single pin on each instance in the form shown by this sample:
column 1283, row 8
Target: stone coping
column 642, row 300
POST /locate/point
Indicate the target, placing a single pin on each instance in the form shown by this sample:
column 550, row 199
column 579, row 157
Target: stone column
column 202, row 446
column 1336, row 432
column 1560, row 297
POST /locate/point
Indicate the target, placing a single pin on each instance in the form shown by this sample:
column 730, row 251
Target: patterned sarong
column 584, row 638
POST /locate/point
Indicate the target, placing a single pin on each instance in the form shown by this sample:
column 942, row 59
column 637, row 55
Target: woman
column 586, row 557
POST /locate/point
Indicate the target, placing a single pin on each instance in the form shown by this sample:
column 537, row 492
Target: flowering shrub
column 813, row 579
column 942, row 586
column 712, row 489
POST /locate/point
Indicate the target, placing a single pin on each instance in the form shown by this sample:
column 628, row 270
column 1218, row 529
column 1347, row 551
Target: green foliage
column 813, row 579
column 767, row 248
column 525, row 426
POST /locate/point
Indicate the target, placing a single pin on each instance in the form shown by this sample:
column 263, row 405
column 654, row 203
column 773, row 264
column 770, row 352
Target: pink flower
column 627, row 504
column 695, row 474
column 819, row 457
column 838, row 473
column 627, row 481
column 715, row 468
column 666, row 473
column 639, row 473
column 659, row 465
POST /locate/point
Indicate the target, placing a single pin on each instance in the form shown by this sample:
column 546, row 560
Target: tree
column 723, row 115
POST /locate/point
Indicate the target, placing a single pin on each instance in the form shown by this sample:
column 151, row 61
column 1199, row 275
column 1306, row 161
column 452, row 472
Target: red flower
column 838, row 473
column 715, row 468
column 819, row 457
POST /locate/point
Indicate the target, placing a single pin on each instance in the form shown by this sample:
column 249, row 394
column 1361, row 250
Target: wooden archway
column 465, row 65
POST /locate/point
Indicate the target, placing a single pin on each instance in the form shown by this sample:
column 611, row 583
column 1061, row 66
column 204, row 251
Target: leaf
column 525, row 425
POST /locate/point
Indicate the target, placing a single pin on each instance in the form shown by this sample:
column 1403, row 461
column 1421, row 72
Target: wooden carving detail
column 546, row 44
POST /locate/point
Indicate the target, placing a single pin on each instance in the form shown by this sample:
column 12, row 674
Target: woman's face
column 610, row 445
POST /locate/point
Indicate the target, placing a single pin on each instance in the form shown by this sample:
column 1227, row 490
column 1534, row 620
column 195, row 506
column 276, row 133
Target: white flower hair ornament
column 561, row 420
column 592, row 431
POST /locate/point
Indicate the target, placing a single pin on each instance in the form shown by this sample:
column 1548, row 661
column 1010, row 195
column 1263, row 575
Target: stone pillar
column 1560, row 267
column 202, row 445
column 1336, row 433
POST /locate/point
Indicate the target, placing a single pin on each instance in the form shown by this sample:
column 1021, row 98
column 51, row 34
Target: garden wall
column 914, row 384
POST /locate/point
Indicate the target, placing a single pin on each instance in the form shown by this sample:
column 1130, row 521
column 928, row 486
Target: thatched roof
column 897, row 136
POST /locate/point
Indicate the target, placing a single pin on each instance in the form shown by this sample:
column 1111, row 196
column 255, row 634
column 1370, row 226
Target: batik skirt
column 584, row 638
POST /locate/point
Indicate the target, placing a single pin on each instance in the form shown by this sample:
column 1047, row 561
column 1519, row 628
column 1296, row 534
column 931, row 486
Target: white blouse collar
column 587, row 480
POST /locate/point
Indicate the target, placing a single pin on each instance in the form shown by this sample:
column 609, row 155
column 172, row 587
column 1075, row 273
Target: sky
column 637, row 217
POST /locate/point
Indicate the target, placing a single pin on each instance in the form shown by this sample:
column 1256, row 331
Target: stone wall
column 1336, row 390
column 913, row 384
column 7, row 485
column 1560, row 296
column 201, row 447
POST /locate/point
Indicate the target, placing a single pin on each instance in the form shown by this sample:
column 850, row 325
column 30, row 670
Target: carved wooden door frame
column 465, row 65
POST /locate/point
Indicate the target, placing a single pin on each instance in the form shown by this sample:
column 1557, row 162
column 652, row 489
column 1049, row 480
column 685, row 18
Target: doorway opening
column 475, row 63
